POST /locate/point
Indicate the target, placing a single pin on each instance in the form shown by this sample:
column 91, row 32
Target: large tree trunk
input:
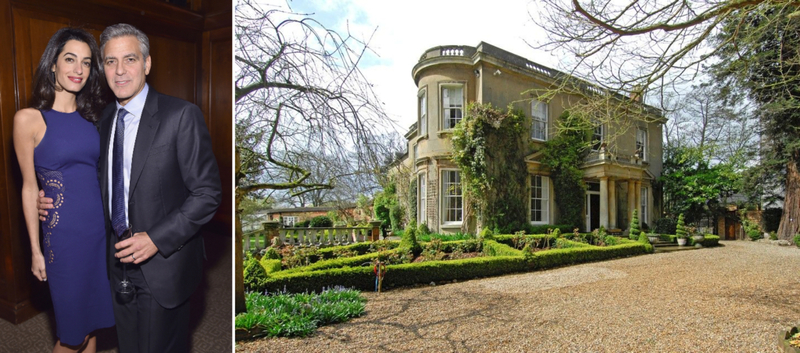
column 790, row 220
column 237, row 255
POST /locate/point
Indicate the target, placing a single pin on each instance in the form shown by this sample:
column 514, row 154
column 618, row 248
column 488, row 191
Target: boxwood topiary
column 254, row 274
column 321, row 222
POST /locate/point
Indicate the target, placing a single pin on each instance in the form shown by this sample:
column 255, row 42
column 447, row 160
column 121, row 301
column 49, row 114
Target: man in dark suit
column 160, row 180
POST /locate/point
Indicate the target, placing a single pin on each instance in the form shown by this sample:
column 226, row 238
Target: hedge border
column 363, row 278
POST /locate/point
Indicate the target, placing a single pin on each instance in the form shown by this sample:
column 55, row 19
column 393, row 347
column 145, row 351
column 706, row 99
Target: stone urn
column 698, row 239
column 682, row 241
column 653, row 238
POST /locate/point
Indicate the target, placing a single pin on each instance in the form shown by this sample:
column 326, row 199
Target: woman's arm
column 29, row 128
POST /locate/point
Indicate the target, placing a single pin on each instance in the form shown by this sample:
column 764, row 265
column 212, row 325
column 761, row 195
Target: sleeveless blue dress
column 74, row 239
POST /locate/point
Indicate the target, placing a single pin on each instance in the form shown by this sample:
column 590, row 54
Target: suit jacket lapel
column 105, row 138
column 148, row 125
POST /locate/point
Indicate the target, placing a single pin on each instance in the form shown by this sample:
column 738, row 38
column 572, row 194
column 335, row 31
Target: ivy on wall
column 563, row 155
column 489, row 149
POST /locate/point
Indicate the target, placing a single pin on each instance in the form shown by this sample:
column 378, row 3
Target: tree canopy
column 749, row 48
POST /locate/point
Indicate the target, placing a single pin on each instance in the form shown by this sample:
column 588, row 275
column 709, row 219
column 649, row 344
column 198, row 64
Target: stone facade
column 449, row 77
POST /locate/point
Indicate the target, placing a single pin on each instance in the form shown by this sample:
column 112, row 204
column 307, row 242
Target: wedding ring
column 134, row 259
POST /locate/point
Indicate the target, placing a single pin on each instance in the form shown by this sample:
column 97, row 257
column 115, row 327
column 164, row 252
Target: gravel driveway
column 734, row 298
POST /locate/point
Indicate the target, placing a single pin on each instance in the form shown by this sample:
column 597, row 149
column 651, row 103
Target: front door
column 592, row 211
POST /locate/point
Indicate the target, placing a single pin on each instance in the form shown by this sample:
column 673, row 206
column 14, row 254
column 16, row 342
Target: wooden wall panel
column 174, row 67
column 217, row 106
column 179, row 40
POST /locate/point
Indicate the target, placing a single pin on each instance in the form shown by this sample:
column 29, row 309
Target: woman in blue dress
column 58, row 146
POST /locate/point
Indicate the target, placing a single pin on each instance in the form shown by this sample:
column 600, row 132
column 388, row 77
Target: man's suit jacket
column 174, row 189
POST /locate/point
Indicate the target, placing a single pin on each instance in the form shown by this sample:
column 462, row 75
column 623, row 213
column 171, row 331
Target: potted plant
column 697, row 237
column 680, row 231
column 652, row 237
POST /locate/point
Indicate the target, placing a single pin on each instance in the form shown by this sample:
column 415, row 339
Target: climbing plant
column 489, row 149
column 563, row 155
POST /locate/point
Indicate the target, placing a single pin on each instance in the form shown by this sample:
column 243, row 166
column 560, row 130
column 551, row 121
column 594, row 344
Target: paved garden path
column 733, row 298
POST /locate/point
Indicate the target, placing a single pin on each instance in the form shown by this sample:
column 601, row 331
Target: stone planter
column 682, row 241
column 698, row 240
column 652, row 238
column 783, row 341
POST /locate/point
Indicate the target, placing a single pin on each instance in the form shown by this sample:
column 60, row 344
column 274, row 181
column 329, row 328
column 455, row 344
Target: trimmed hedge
column 438, row 271
column 363, row 278
column 355, row 261
column 270, row 265
column 360, row 248
column 560, row 257
column 494, row 248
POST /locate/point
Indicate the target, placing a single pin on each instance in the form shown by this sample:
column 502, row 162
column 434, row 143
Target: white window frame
column 448, row 196
column 540, row 113
column 422, row 197
column 641, row 141
column 422, row 101
column 602, row 128
column 446, row 106
column 542, row 184
column 289, row 221
column 643, row 208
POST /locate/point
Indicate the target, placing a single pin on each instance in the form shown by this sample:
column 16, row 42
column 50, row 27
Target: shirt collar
column 136, row 104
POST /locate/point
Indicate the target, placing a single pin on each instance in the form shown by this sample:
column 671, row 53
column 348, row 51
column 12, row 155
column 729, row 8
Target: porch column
column 604, row 202
column 612, row 203
column 638, row 204
column 631, row 199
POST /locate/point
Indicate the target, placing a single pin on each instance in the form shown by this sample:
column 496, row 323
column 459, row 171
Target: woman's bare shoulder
column 28, row 115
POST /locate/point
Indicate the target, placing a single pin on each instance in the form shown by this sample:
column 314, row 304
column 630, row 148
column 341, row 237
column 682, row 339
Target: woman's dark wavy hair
column 92, row 98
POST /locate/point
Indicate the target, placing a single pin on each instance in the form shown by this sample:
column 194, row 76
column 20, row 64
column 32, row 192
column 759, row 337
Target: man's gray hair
column 124, row 29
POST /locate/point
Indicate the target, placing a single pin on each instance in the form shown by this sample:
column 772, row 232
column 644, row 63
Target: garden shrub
column 643, row 239
column 611, row 240
column 665, row 226
column 797, row 240
column 423, row 229
column 487, row 233
column 680, row 228
column 710, row 240
column 634, row 230
column 396, row 217
column 303, row 224
column 270, row 265
column 254, row 274
column 493, row 248
column 408, row 240
column 271, row 253
column 321, row 222
column 291, row 315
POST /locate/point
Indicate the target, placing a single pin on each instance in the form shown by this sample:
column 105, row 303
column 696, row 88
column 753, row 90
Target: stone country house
column 448, row 77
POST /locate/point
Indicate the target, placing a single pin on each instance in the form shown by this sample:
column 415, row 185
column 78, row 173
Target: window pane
column 538, row 201
column 538, row 120
column 451, row 184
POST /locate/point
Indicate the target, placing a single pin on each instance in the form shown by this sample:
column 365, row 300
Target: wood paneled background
column 191, row 49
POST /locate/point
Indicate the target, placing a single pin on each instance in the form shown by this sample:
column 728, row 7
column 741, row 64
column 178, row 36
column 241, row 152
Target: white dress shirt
column 134, row 108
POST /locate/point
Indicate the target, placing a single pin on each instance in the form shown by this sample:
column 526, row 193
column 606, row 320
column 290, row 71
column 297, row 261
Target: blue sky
column 406, row 29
